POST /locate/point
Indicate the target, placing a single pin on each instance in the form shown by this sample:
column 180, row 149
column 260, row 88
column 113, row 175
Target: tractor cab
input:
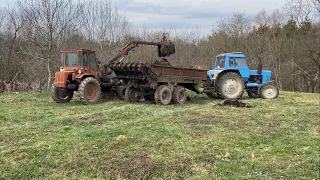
column 81, row 62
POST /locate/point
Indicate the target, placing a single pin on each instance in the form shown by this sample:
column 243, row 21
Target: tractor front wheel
column 61, row 95
column 89, row 90
column 231, row 86
column 269, row 91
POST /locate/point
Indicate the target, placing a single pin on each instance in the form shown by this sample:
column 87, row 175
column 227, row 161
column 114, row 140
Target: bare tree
column 47, row 22
column 298, row 10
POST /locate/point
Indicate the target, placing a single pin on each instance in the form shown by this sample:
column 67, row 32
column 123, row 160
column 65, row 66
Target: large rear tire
column 231, row 86
column 269, row 91
column 163, row 95
column 61, row 95
column 179, row 95
column 89, row 90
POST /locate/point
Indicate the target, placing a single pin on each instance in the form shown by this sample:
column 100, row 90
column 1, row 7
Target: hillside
column 199, row 140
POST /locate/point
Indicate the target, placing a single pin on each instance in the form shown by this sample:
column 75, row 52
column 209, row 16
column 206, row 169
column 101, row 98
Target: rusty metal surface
column 158, row 73
column 165, row 48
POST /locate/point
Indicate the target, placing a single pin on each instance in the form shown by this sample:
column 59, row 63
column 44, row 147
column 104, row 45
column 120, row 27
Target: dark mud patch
column 235, row 103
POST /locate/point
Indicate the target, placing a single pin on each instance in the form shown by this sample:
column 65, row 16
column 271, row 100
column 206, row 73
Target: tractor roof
column 232, row 54
column 75, row 50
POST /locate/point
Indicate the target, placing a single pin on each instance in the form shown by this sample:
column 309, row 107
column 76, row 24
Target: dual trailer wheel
column 162, row 95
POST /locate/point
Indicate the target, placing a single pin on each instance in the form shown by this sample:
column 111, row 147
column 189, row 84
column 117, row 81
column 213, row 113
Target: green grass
column 276, row 139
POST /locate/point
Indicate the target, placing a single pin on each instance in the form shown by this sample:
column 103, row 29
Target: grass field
column 275, row 139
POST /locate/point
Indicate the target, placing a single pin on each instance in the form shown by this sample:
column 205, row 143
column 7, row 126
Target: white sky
column 185, row 14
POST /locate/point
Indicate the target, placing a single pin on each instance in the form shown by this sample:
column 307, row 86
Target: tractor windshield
column 71, row 59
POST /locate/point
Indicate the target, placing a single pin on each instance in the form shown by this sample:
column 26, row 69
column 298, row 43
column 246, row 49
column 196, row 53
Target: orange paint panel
column 61, row 79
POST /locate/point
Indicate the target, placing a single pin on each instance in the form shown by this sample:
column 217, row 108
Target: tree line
column 32, row 32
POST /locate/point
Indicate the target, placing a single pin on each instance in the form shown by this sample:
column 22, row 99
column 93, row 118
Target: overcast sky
column 183, row 14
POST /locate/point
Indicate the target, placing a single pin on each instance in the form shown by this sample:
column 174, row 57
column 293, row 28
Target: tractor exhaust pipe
column 260, row 67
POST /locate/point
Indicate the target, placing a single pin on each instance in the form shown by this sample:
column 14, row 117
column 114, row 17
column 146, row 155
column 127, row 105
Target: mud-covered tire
column 230, row 86
column 131, row 94
column 89, row 90
column 121, row 92
column 61, row 95
column 163, row 95
column 253, row 93
column 269, row 91
column 179, row 95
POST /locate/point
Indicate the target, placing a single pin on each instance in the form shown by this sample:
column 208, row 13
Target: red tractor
column 79, row 72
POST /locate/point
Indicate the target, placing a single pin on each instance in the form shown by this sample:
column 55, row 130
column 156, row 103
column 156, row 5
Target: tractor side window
column 71, row 59
column 237, row 62
column 83, row 58
column 240, row 62
column 93, row 61
column 220, row 62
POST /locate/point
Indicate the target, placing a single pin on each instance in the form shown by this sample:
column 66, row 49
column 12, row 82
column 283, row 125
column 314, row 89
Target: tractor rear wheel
column 132, row 94
column 163, row 95
column 269, row 91
column 253, row 93
column 179, row 95
column 231, row 86
column 89, row 90
column 121, row 92
column 61, row 95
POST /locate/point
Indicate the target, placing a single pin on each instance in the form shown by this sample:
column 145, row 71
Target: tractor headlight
column 80, row 71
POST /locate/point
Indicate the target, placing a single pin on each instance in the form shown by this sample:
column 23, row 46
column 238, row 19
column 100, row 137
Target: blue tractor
column 231, row 76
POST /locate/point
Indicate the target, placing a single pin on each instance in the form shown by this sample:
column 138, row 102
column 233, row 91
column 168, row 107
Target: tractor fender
column 219, row 73
column 213, row 74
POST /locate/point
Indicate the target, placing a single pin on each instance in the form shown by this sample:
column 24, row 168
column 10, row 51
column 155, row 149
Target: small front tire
column 61, row 95
column 269, row 91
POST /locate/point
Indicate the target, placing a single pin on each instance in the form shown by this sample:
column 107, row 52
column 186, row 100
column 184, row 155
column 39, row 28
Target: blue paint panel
column 252, row 85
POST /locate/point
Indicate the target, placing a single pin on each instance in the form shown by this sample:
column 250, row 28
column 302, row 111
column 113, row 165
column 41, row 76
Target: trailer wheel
column 231, row 85
column 163, row 95
column 89, row 90
column 132, row 94
column 269, row 91
column 121, row 92
column 179, row 95
column 253, row 93
column 61, row 95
